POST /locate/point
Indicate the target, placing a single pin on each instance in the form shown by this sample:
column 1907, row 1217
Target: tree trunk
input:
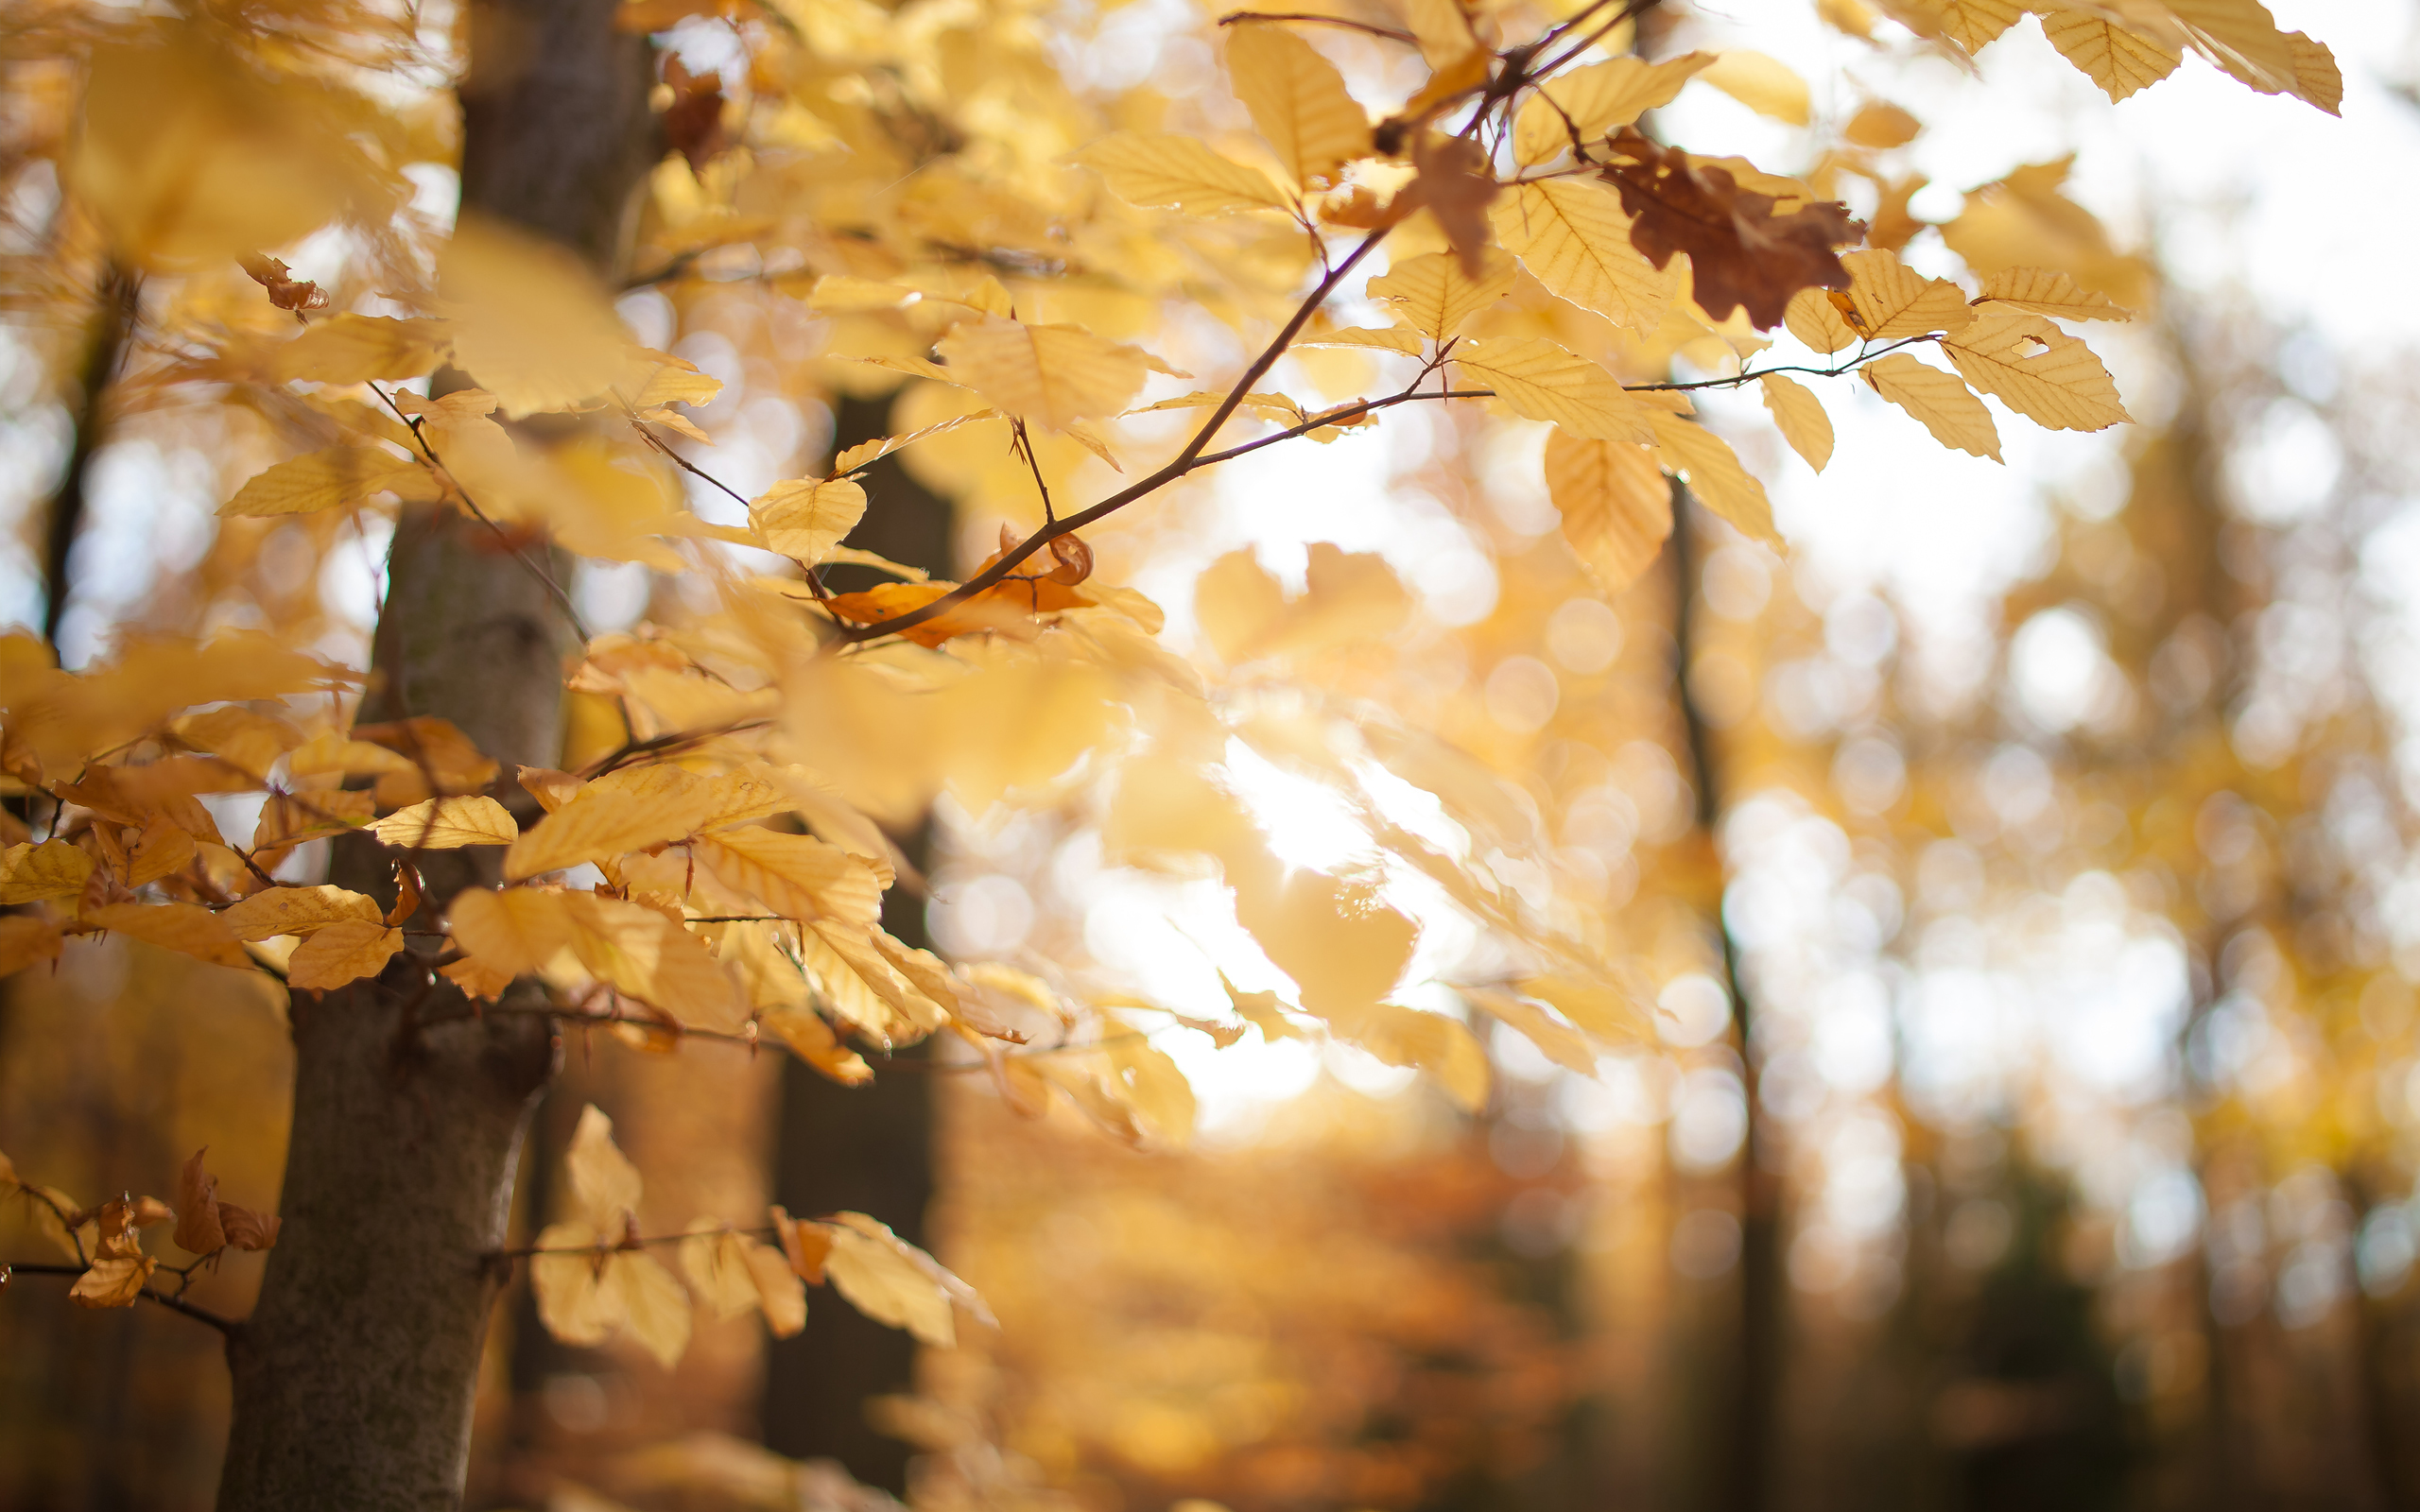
column 867, row 1149
column 354, row 1379
column 114, row 305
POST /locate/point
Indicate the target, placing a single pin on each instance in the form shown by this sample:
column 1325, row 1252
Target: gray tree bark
column 354, row 1379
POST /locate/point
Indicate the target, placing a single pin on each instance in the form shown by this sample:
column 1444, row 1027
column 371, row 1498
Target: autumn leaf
column 25, row 939
column 352, row 349
column 296, row 911
column 1562, row 1044
column 892, row 1282
column 54, row 868
column 796, row 876
column 1715, row 476
column 448, row 824
column 2037, row 369
column 1799, row 415
column 1940, row 400
column 804, row 518
column 1893, row 300
column 1054, row 374
column 1457, row 185
column 330, row 479
column 341, row 952
column 1179, row 173
column 1742, row 254
column 1298, row 100
column 187, row 928
column 198, row 1231
column 1540, row 379
column 1573, row 235
column 2045, row 291
column 1596, row 99
column 1616, row 505
column 1434, row 294
column 2118, row 60
column 1763, row 83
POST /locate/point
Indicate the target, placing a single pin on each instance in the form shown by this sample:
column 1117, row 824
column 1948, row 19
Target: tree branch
column 174, row 1304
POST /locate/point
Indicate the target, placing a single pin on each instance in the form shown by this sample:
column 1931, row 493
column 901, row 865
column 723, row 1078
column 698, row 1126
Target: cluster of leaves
column 594, row 1278
column 1545, row 258
column 104, row 1242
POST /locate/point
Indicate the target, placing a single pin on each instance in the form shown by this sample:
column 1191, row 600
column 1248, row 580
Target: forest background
column 2047, row 820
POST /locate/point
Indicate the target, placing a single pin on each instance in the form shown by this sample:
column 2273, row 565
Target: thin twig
column 174, row 1304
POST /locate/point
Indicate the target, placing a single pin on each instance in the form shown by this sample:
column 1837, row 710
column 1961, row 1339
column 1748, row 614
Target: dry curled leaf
column 1743, row 252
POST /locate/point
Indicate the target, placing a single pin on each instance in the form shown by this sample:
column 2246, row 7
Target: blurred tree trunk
column 116, row 302
column 866, row 1149
column 1742, row 1438
column 355, row 1378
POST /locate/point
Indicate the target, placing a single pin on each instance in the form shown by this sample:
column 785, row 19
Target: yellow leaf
column 1434, row 1043
column 780, row 1291
column 116, row 1282
column 580, row 1300
column 1443, row 29
column 641, row 953
column 857, row 983
column 351, row 349
column 1180, row 173
column 600, row 824
column 1813, row 318
column 2047, row 292
column 54, row 868
column 858, row 456
column 514, row 932
column 532, row 325
column 251, row 743
column 1799, row 415
column 1542, row 381
column 1715, row 476
column 330, row 753
column 1152, row 1084
column 1763, row 83
column 1298, row 100
column 1262, row 1011
column 1882, row 126
column 331, row 479
column 448, row 824
column 343, row 952
column 796, row 876
column 1054, row 374
column 890, row 1280
column 2037, row 369
column 291, row 817
column 1596, row 99
column 1572, row 234
column 603, row 1180
column 1940, row 400
column 1970, row 24
column 2241, row 37
column 713, row 1259
column 1893, row 300
column 1395, row 339
column 24, row 939
column 812, row 1041
column 1616, row 505
column 1431, row 294
column 297, row 911
column 658, row 1307
column 162, row 848
column 1563, row 1045
column 188, row 928
column 2120, row 60
column 675, row 381
column 804, row 518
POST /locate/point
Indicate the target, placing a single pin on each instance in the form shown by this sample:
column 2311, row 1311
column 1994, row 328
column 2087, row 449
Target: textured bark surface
column 865, row 1149
column 354, row 1381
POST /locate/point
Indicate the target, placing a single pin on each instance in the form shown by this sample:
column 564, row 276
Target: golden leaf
column 1395, row 339
column 812, row 1041
column 858, row 456
column 603, row 1180
column 113, row 1282
column 804, row 518
column 1715, row 476
column 780, row 1291
column 448, row 824
column 1813, row 318
column 892, row 1282
column 1264, row 1012
column 1542, row 381
column 1763, row 83
column 1893, row 300
column 296, row 911
column 579, row 1299
column 1616, row 505
column 288, row 817
column 1434, row 1043
column 1179, row 173
column 1882, row 126
column 1562, row 1044
column 796, row 876
column 675, row 381
column 1596, row 99
column 531, row 324
column 2037, row 369
column 1799, row 415
column 198, row 1231
column 1573, row 235
column 329, row 479
column 1940, row 400
column 343, row 952
column 54, row 868
column 658, row 1309
column 163, row 846
column 713, row 1259
column 25, row 939
column 2120, row 60
column 1298, row 100
column 2048, row 292
column 351, row 349
column 187, row 928
column 1431, row 294
column 1054, row 374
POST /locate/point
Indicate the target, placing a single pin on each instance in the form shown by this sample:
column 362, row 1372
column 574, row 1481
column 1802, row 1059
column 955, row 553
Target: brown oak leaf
column 284, row 290
column 1740, row 252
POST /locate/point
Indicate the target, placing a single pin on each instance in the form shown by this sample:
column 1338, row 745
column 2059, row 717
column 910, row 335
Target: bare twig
column 173, row 1303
